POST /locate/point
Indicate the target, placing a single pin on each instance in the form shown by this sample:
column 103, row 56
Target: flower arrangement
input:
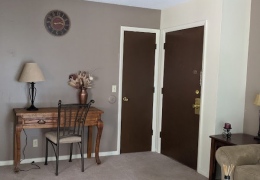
column 82, row 80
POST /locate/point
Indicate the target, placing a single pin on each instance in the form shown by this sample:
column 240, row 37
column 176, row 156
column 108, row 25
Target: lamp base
column 32, row 108
column 257, row 137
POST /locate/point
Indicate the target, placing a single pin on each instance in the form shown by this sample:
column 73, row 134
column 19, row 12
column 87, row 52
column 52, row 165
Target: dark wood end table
column 218, row 141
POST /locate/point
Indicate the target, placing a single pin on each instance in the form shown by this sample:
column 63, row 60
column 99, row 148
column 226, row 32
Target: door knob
column 125, row 99
column 195, row 106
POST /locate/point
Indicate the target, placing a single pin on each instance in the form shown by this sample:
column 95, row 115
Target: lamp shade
column 257, row 100
column 31, row 73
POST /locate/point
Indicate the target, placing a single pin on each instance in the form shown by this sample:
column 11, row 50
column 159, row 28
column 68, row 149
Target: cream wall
column 219, row 72
column 233, row 64
column 251, row 122
column 92, row 43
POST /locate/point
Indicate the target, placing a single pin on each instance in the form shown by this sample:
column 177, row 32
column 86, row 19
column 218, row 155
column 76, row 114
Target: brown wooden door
column 137, row 87
column 182, row 67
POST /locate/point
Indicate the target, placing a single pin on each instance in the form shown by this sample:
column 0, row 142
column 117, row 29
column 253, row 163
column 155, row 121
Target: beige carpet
column 132, row 166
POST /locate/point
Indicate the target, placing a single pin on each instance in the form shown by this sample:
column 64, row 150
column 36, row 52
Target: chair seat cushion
column 53, row 137
column 247, row 172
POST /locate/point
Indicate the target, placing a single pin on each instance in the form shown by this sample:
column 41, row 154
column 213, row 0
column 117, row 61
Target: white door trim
column 156, row 84
column 161, row 72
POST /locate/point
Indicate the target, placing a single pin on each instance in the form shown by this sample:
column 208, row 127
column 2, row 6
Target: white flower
column 90, row 77
column 80, row 80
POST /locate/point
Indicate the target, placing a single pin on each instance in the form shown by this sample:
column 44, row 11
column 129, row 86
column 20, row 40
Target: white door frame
column 201, row 119
column 156, row 84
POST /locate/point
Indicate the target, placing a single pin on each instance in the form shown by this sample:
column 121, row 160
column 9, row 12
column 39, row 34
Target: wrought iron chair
column 70, row 129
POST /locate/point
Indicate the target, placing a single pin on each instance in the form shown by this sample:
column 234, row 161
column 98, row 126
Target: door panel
column 182, row 70
column 137, row 87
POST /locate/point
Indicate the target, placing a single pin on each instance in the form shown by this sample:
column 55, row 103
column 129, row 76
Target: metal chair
column 70, row 129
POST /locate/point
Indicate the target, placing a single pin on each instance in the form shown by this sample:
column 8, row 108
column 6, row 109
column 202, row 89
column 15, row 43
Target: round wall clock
column 57, row 23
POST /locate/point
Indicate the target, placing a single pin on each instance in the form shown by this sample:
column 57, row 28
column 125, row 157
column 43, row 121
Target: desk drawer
column 45, row 122
column 40, row 121
column 89, row 121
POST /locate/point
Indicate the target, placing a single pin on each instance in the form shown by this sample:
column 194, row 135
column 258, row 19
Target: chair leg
column 71, row 148
column 46, row 152
column 57, row 159
column 82, row 156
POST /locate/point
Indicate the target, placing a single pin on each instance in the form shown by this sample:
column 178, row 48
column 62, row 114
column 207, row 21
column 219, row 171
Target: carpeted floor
column 132, row 166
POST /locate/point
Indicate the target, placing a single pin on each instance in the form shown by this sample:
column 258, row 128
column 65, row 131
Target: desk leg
column 17, row 147
column 89, row 142
column 99, row 133
column 212, row 161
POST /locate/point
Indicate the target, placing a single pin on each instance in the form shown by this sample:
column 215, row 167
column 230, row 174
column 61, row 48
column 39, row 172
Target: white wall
column 233, row 64
column 223, row 50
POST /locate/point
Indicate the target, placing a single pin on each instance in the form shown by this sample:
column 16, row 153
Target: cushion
column 53, row 137
column 247, row 172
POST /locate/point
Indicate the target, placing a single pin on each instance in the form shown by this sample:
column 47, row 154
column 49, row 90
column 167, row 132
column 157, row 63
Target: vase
column 83, row 96
column 226, row 133
column 227, row 177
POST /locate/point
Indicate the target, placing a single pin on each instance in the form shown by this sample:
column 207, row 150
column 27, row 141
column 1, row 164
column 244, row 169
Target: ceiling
column 151, row 4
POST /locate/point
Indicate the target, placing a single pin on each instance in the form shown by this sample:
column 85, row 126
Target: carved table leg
column 99, row 133
column 89, row 142
column 17, row 147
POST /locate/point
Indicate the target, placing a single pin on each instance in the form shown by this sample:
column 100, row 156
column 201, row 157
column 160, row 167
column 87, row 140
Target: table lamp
column 31, row 73
column 257, row 103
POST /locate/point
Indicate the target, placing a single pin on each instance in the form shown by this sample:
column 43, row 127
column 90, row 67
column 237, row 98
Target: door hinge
column 200, row 77
column 161, row 134
column 164, row 46
column 162, row 91
column 153, row 89
column 152, row 131
column 155, row 46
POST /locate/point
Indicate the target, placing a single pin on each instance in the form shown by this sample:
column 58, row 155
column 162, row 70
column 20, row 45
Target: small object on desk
column 83, row 95
column 31, row 73
column 81, row 81
column 226, row 130
column 227, row 126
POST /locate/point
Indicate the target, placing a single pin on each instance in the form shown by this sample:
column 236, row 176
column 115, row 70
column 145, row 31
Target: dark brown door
column 137, row 91
column 181, row 85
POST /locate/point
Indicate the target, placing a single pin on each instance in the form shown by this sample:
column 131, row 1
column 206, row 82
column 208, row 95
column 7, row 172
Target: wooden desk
column 218, row 141
column 47, row 118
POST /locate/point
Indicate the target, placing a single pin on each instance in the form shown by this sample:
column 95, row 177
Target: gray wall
column 91, row 44
column 251, row 122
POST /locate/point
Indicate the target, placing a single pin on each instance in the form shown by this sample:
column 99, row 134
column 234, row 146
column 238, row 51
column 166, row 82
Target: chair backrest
column 71, row 119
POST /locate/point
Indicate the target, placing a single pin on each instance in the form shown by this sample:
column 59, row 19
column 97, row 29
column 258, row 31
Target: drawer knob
column 41, row 121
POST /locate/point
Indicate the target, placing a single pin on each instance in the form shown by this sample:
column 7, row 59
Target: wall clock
column 57, row 23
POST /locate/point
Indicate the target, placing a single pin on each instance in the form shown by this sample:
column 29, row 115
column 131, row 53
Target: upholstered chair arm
column 238, row 155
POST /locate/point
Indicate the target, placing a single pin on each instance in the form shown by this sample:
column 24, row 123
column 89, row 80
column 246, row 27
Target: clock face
column 57, row 23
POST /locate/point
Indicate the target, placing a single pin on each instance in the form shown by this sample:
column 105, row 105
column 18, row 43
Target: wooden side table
column 218, row 141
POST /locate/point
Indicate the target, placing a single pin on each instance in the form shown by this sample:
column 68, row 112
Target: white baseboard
column 53, row 158
column 206, row 174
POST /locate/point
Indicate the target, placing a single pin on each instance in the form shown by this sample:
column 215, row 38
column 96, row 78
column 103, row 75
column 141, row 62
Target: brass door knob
column 196, row 106
column 125, row 99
